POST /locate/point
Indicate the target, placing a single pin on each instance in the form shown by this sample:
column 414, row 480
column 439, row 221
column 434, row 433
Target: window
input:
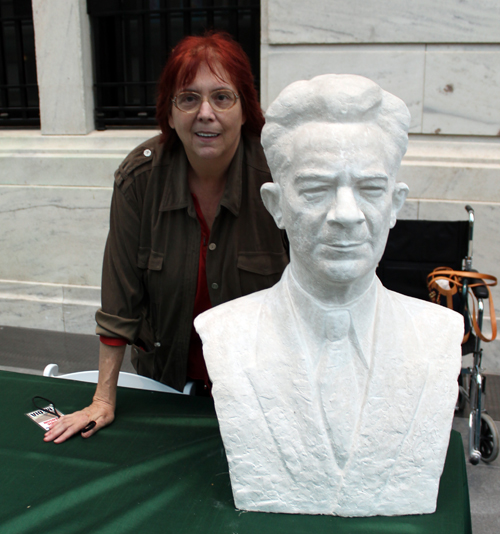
column 18, row 83
column 132, row 39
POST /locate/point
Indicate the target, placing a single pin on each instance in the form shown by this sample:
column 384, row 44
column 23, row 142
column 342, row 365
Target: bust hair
column 213, row 48
column 331, row 99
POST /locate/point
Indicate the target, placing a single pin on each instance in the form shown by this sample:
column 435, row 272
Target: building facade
column 442, row 59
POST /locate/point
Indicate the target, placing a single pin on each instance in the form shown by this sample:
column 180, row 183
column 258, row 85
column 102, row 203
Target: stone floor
column 29, row 351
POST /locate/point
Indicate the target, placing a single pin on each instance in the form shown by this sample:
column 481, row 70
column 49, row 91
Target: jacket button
column 147, row 152
column 215, row 285
column 212, row 246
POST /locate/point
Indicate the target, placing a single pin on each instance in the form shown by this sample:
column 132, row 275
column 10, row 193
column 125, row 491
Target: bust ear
column 398, row 199
column 271, row 196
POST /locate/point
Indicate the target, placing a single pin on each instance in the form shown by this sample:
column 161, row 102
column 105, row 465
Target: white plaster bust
column 334, row 395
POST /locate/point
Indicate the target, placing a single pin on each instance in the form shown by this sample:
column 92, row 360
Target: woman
column 188, row 229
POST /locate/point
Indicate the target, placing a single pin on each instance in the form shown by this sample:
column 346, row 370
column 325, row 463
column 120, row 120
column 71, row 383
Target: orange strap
column 454, row 279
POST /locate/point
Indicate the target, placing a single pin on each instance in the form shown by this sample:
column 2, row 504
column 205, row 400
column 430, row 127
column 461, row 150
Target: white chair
column 127, row 380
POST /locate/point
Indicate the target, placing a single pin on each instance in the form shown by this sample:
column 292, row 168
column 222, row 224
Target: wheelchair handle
column 468, row 259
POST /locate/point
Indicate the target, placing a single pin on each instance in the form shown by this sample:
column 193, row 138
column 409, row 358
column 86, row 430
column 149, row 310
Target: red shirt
column 197, row 370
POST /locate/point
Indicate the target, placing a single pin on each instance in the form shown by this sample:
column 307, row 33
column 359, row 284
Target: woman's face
column 208, row 134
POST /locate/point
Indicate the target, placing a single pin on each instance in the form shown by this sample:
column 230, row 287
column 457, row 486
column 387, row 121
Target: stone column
column 64, row 66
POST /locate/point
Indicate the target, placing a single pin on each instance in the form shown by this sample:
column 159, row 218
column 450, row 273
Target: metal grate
column 19, row 104
column 132, row 40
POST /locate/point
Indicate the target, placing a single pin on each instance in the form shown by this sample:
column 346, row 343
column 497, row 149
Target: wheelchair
column 414, row 249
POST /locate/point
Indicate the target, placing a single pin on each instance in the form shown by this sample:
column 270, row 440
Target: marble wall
column 386, row 21
column 449, row 89
column 55, row 194
column 461, row 89
column 399, row 71
column 441, row 58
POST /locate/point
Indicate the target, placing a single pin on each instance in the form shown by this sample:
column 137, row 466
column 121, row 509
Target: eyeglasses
column 50, row 409
column 220, row 100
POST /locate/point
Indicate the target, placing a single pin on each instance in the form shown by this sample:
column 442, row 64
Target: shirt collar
column 176, row 193
column 312, row 314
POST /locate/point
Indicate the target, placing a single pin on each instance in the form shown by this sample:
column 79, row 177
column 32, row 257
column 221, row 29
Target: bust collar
column 312, row 314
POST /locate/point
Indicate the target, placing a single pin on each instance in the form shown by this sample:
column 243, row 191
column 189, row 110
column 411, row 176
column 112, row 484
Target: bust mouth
column 345, row 245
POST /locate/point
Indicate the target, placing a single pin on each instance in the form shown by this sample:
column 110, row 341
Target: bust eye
column 373, row 188
column 314, row 194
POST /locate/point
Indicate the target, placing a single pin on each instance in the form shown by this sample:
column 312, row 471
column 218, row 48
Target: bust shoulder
column 427, row 314
column 430, row 334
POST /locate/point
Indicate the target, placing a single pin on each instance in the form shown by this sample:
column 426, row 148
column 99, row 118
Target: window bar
column 98, row 90
column 164, row 33
column 233, row 17
column 20, row 67
column 4, row 100
column 30, row 68
column 255, row 29
column 210, row 15
column 145, row 27
column 187, row 14
column 101, row 41
column 120, row 62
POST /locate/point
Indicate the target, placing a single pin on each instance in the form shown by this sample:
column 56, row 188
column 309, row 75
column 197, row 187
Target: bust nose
column 345, row 210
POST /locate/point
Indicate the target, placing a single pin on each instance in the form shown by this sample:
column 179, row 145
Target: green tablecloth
column 160, row 467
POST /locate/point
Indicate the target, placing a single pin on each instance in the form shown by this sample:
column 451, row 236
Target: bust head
column 334, row 145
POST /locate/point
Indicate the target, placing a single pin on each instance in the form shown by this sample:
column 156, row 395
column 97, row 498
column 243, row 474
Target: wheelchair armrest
column 481, row 291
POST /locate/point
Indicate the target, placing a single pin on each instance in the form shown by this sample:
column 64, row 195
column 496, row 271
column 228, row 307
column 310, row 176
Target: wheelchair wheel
column 488, row 444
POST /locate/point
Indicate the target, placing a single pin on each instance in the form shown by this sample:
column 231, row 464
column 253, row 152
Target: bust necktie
column 338, row 386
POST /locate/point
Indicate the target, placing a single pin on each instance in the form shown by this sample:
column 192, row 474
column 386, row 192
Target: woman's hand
column 101, row 412
column 102, row 409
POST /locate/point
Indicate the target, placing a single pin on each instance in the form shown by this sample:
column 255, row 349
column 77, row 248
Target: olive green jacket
column 150, row 266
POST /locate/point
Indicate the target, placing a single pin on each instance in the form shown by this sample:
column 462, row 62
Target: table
column 160, row 467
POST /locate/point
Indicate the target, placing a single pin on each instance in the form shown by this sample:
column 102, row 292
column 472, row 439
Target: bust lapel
column 394, row 390
column 288, row 403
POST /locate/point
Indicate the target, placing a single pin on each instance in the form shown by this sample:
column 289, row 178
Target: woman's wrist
column 101, row 400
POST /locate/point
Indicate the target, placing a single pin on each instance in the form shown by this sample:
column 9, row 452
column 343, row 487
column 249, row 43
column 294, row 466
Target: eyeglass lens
column 50, row 409
column 220, row 100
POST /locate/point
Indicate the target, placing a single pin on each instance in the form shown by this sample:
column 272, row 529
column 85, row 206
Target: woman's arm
column 102, row 409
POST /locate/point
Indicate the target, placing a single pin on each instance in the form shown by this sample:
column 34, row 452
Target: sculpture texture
column 334, row 395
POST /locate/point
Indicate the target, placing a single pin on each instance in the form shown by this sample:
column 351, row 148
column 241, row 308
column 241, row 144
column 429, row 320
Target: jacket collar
column 176, row 193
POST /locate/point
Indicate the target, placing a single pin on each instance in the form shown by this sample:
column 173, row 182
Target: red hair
column 214, row 49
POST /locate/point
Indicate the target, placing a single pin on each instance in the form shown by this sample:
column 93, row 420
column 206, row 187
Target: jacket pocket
column 152, row 264
column 149, row 259
column 260, row 270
